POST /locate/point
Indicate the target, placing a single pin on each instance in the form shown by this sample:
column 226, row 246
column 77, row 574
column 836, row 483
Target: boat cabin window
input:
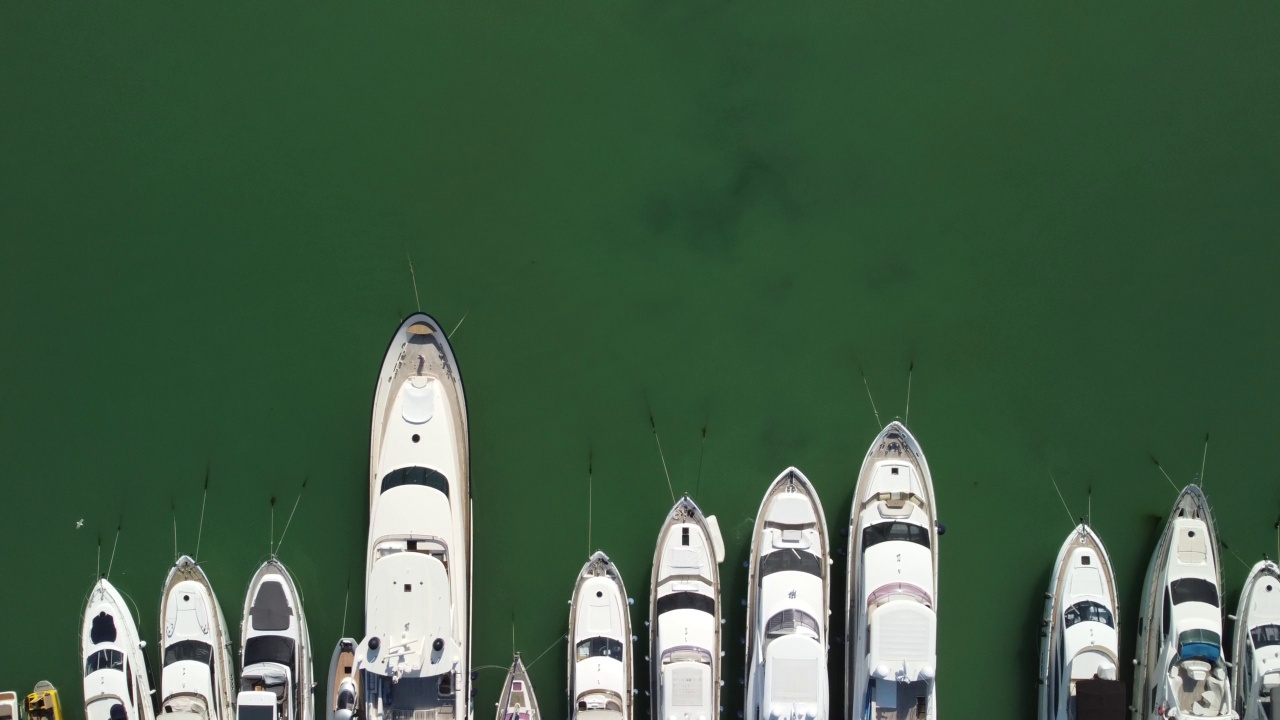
column 103, row 629
column 1200, row 644
column 415, row 476
column 193, row 650
column 104, row 660
column 894, row 531
column 599, row 647
column 1088, row 611
column 268, row 649
column 1194, row 590
column 1265, row 635
column 790, row 622
column 255, row 712
column 783, row 560
column 686, row 601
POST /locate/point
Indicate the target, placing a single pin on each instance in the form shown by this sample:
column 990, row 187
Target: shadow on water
column 1029, row 648
column 1132, row 599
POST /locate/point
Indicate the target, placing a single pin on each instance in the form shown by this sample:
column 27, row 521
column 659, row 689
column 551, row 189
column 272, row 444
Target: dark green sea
column 1065, row 215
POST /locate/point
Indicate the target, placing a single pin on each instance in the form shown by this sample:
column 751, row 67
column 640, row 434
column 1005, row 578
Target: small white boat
column 1080, row 645
column 684, row 616
column 275, row 649
column 891, row 638
column 788, row 605
column 117, row 680
column 344, row 696
column 517, row 701
column 195, row 681
column 9, row 706
column 601, row 683
column 415, row 660
column 1180, row 671
column 1255, row 663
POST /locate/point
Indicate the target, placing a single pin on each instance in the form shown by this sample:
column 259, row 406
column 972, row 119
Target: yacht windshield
column 194, row 650
column 1265, row 635
column 1194, row 590
column 894, row 532
column 104, row 660
column 599, row 647
column 1088, row 611
column 794, row 560
column 268, row 649
column 255, row 712
column 425, row 477
column 789, row 622
column 1200, row 644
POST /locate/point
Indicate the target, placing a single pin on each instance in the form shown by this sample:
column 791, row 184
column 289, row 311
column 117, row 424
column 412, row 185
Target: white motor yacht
column 1180, row 671
column 415, row 659
column 517, row 701
column 196, row 681
column 891, row 638
column 117, row 677
column 1080, row 645
column 275, row 649
column 788, row 605
column 684, row 616
column 601, row 683
column 343, row 693
column 9, row 706
column 1255, row 663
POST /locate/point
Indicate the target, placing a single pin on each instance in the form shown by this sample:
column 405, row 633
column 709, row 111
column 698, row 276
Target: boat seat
column 1197, row 670
column 897, row 506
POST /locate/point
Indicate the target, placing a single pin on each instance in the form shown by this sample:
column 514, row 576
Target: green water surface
column 1064, row 214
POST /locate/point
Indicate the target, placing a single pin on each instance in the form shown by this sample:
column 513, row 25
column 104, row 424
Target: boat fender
column 927, row 672
column 438, row 644
column 942, row 529
column 744, row 602
column 631, row 601
column 374, row 642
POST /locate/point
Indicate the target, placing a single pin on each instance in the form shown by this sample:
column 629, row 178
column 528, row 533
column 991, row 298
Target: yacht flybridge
column 684, row 617
column 788, row 605
column 891, row 637
column 517, row 701
column 601, row 683
column 1180, row 670
column 1255, row 663
column 1080, row 646
column 275, row 649
column 415, row 660
column 117, row 678
column 197, row 676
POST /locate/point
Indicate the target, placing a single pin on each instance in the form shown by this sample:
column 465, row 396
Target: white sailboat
column 343, row 694
column 891, row 637
column 1080, row 646
column 517, row 701
column 1255, row 663
column 196, row 681
column 788, row 605
column 275, row 649
column 1180, row 670
column 117, row 678
column 601, row 683
column 415, row 660
column 684, row 616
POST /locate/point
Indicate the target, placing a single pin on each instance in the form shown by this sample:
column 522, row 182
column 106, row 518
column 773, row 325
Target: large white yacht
column 684, row 616
column 1080, row 645
column 601, row 683
column 788, row 605
column 1255, row 663
column 415, row 659
column 891, row 638
column 517, row 701
column 117, row 678
column 1180, row 670
column 196, row 681
column 275, row 649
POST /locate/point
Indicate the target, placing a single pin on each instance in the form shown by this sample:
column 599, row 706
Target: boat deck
column 1201, row 696
column 910, row 700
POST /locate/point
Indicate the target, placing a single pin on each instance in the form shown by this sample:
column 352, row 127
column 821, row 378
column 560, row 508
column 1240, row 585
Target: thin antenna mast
column 701, row 454
column 203, row 499
column 291, row 512
column 906, row 416
column 112, row 561
column 654, row 425
column 1204, row 459
column 414, row 276
column 1070, row 517
column 867, row 385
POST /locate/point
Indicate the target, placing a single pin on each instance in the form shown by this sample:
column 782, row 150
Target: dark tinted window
column 599, row 647
column 1194, row 590
column 1088, row 611
column 103, row 629
column 897, row 531
column 194, row 650
column 269, row 648
column 1265, row 635
column 415, row 476
column 686, row 600
column 255, row 712
column 798, row 561
column 104, row 660
column 789, row 622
